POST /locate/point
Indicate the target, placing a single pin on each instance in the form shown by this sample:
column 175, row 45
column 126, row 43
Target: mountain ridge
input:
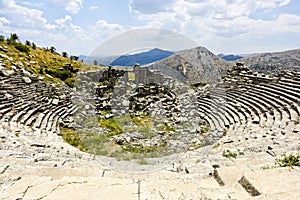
column 230, row 57
column 141, row 58
column 194, row 65
column 274, row 61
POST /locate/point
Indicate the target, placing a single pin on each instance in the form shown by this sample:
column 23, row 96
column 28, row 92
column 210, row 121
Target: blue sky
column 223, row 26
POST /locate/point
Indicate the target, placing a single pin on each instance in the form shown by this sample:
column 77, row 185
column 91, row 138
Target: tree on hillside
column 74, row 57
column 2, row 38
column 33, row 46
column 52, row 49
column 95, row 62
column 27, row 43
column 13, row 37
column 64, row 54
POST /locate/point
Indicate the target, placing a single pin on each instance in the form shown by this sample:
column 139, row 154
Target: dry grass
column 40, row 59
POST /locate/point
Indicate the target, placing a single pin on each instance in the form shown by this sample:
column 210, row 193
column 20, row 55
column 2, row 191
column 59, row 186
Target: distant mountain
column 230, row 57
column 141, row 58
column 90, row 59
column 270, row 62
column 194, row 66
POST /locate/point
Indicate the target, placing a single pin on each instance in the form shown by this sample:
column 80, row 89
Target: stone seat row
column 273, row 105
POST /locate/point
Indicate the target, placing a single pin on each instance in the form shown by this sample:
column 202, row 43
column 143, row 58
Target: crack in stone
column 5, row 168
column 24, row 193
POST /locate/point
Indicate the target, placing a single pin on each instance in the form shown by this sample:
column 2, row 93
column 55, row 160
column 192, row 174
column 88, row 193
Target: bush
column 1, row 38
column 61, row 74
column 229, row 154
column 288, row 161
column 70, row 82
column 21, row 47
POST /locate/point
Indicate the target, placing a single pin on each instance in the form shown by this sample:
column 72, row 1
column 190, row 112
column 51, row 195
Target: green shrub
column 21, row 47
column 70, row 82
column 61, row 74
column 287, row 161
column 229, row 154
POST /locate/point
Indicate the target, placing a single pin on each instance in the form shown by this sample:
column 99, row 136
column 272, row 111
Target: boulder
column 55, row 101
column 26, row 79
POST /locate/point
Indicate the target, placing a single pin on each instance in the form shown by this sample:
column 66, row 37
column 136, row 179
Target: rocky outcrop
column 196, row 65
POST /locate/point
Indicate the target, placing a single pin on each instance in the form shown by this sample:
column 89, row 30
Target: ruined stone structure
column 144, row 76
column 248, row 113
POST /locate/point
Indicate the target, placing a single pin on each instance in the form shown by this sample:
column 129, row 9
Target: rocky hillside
column 270, row 62
column 194, row 65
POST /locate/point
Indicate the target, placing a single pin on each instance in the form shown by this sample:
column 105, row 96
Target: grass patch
column 229, row 154
column 71, row 136
column 168, row 128
column 216, row 145
column 70, row 82
column 143, row 162
column 111, row 125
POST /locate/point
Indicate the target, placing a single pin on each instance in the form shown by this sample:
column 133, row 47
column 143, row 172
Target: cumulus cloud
column 219, row 9
column 71, row 6
column 214, row 23
column 288, row 22
column 23, row 17
column 64, row 22
column 225, row 18
column 103, row 29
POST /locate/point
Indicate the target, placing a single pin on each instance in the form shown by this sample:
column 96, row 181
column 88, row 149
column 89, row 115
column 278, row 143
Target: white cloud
column 103, row 25
column 219, row 9
column 94, row 7
column 3, row 21
column 63, row 33
column 71, row 6
column 221, row 24
column 64, row 23
column 221, row 18
column 23, row 17
column 148, row 7
column 288, row 23
column 34, row 4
